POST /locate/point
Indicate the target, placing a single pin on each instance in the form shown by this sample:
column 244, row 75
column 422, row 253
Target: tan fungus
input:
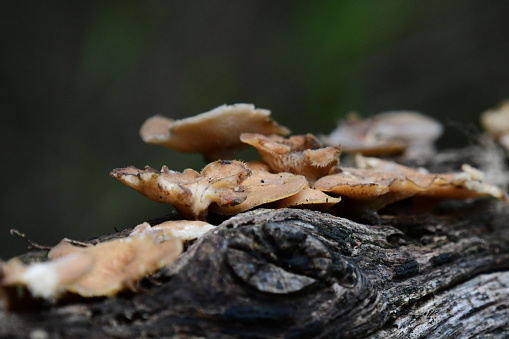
column 299, row 154
column 190, row 192
column 215, row 134
column 469, row 183
column 100, row 270
column 262, row 187
column 182, row 229
column 309, row 198
column 496, row 123
column 372, row 190
column 225, row 187
column 387, row 134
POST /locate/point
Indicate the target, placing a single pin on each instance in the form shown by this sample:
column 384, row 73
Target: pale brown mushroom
column 225, row 187
column 461, row 185
column 215, row 134
column 309, row 198
column 388, row 133
column 190, row 192
column 100, row 270
column 182, row 229
column 258, row 165
column 372, row 190
column 262, row 187
column 46, row 279
column 299, row 154
column 496, row 122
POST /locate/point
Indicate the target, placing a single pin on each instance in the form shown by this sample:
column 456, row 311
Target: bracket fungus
column 469, row 183
column 389, row 133
column 226, row 187
column 100, row 270
column 308, row 198
column 190, row 192
column 496, row 122
column 215, row 134
column 106, row 268
column 262, row 187
column 370, row 190
column 295, row 172
column 183, row 229
column 377, row 183
column 299, row 154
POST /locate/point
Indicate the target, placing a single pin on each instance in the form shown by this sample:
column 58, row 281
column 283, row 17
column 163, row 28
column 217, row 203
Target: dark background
column 77, row 80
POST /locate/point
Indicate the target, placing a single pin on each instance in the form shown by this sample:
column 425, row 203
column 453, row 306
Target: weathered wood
column 299, row 274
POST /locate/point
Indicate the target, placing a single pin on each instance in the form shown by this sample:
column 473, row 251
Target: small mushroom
column 463, row 185
column 258, row 165
column 370, row 189
column 215, row 134
column 308, row 198
column 190, row 192
column 496, row 123
column 262, row 187
column 387, row 134
column 182, row 229
column 299, row 154
column 225, row 187
column 100, row 270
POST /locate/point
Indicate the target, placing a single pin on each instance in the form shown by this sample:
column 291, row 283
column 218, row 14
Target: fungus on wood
column 215, row 134
column 299, row 154
column 496, row 122
column 263, row 270
column 387, row 134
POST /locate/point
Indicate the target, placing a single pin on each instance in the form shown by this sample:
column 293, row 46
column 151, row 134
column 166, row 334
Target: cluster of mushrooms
column 300, row 171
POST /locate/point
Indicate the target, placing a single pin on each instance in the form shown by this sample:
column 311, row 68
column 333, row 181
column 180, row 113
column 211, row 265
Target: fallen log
column 299, row 274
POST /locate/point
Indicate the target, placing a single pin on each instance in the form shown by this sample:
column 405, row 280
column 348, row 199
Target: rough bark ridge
column 294, row 273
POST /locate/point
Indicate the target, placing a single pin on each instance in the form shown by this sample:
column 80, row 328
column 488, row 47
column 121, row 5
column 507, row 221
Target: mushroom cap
column 190, row 192
column 262, row 187
column 407, row 126
column 299, row 154
column 307, row 197
column 258, row 165
column 100, row 270
column 182, row 229
column 463, row 185
column 496, row 120
column 372, row 189
column 215, row 134
column 120, row 262
column 387, row 133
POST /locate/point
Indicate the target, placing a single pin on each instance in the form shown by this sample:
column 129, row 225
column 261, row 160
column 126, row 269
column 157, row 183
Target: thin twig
column 31, row 244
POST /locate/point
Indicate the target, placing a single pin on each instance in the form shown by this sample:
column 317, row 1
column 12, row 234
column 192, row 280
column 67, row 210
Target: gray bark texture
column 296, row 273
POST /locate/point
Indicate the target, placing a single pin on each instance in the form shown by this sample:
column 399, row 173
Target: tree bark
column 295, row 273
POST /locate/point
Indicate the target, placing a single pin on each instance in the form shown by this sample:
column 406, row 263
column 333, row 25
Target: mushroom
column 190, row 192
column 371, row 190
column 262, row 187
column 309, row 198
column 387, row 134
column 100, row 270
column 463, row 185
column 258, row 165
column 215, row 134
column 496, row 122
column 225, row 187
column 183, row 229
column 299, row 154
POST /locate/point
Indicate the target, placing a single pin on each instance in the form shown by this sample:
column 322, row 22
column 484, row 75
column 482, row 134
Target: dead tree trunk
column 293, row 273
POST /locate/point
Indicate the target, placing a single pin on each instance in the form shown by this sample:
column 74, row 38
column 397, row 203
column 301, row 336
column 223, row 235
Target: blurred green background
column 79, row 78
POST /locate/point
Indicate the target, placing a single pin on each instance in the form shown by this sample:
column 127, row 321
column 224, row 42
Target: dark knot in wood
column 281, row 258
